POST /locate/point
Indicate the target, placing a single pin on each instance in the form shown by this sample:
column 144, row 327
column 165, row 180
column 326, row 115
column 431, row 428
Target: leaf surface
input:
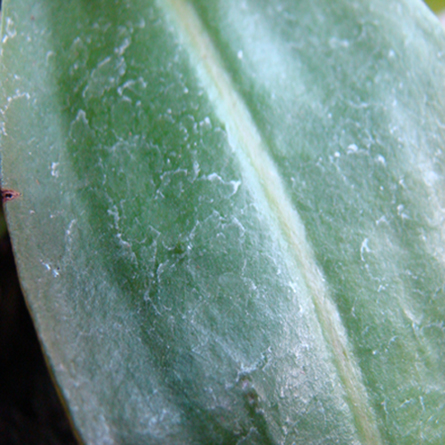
column 230, row 227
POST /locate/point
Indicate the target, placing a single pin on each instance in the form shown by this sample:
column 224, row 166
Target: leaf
column 436, row 5
column 230, row 227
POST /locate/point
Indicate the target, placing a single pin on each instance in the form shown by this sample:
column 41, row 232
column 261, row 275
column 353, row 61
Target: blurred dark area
column 30, row 410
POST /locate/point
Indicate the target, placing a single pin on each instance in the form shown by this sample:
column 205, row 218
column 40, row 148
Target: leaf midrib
column 233, row 111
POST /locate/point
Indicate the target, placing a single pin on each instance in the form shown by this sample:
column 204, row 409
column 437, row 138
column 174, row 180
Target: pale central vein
column 233, row 111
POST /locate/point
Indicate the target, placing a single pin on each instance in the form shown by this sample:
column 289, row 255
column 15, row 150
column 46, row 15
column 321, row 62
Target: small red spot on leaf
column 9, row 195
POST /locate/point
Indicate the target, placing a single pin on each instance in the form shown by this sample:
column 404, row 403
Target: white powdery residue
column 401, row 213
column 81, row 117
column 335, row 42
column 104, row 62
column 214, row 177
column 407, row 402
column 54, row 271
column 196, row 170
column 121, row 49
column 115, row 214
column 122, row 242
column 237, row 223
column 17, row 95
column 161, row 269
column 49, row 54
column 142, row 82
column 206, row 121
column 235, row 185
column 381, row 288
column 381, row 160
column 382, row 220
column 415, row 321
column 393, row 129
column 352, row 148
column 69, row 231
column 127, row 84
column 294, row 288
column 54, row 169
column 168, row 175
column 10, row 31
column 141, row 23
column 104, row 77
column 364, row 248
column 430, row 177
column 121, row 67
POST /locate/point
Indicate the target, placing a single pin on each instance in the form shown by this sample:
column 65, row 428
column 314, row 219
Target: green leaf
column 436, row 5
column 231, row 222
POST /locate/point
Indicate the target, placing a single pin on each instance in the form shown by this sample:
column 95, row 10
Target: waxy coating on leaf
column 236, row 234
